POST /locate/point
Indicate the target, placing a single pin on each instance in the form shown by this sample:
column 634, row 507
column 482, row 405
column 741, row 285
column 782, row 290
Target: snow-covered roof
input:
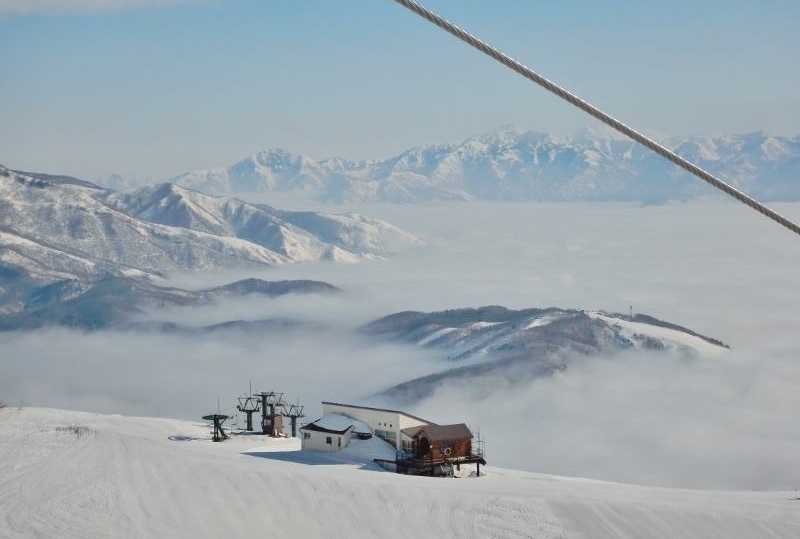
column 378, row 410
column 314, row 427
column 338, row 423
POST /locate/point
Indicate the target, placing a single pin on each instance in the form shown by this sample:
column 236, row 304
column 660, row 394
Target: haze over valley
column 569, row 259
column 322, row 270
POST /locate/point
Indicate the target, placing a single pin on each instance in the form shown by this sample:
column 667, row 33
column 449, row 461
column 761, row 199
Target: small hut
column 333, row 432
column 272, row 425
column 439, row 443
column 438, row 450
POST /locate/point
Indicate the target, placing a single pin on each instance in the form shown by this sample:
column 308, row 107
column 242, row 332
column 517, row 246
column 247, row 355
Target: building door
column 424, row 447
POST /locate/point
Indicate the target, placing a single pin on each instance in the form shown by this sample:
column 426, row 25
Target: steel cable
column 587, row 107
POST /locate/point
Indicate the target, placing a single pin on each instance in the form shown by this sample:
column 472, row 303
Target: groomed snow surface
column 72, row 474
column 669, row 336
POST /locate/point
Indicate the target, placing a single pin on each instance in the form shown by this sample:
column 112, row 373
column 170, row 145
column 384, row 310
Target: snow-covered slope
column 73, row 474
column 638, row 332
column 511, row 164
column 57, row 229
column 69, row 223
column 522, row 344
column 299, row 236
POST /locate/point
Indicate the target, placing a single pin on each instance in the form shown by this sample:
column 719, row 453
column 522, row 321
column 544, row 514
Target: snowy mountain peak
column 276, row 158
column 515, row 164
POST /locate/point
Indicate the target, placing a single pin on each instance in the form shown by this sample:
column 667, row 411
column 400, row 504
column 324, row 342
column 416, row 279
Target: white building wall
column 385, row 420
column 317, row 441
column 407, row 422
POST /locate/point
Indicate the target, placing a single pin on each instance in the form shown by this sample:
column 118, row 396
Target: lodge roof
column 315, row 427
column 339, row 424
column 440, row 432
column 379, row 410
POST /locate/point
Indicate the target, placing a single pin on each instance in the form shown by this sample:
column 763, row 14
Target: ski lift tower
column 218, row 420
column 249, row 405
column 294, row 411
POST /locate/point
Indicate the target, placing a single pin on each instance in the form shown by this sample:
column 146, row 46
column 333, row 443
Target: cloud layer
column 727, row 422
column 714, row 423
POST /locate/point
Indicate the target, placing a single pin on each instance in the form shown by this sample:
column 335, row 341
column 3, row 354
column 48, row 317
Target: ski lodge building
column 420, row 445
column 332, row 432
column 385, row 424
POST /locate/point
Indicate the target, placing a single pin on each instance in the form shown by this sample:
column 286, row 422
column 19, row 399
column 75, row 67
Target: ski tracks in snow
column 74, row 475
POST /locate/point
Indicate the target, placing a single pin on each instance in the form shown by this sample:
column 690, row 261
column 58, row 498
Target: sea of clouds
column 715, row 267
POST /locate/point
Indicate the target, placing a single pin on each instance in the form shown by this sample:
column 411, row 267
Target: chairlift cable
column 587, row 107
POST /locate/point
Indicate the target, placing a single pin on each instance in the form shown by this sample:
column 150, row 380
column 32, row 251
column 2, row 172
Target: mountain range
column 56, row 228
column 512, row 164
column 516, row 345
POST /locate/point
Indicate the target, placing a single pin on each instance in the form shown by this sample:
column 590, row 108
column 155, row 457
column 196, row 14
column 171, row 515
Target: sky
column 153, row 88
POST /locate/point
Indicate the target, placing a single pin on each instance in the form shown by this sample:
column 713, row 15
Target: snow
column 540, row 321
column 774, row 148
column 73, row 474
column 676, row 338
column 76, row 231
column 511, row 164
column 436, row 335
column 463, row 331
column 363, row 452
column 341, row 422
column 482, row 325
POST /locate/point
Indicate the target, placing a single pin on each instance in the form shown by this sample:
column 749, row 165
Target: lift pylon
column 218, row 420
column 294, row 411
column 249, row 404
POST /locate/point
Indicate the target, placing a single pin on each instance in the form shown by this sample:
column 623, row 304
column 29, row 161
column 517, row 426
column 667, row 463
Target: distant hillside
column 56, row 228
column 112, row 302
column 519, row 345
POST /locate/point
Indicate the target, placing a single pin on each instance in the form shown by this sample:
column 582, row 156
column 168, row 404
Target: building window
column 387, row 435
column 340, row 441
column 306, row 435
column 328, row 440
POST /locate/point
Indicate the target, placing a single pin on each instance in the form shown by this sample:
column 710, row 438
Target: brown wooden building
column 272, row 425
column 440, row 442
column 433, row 449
